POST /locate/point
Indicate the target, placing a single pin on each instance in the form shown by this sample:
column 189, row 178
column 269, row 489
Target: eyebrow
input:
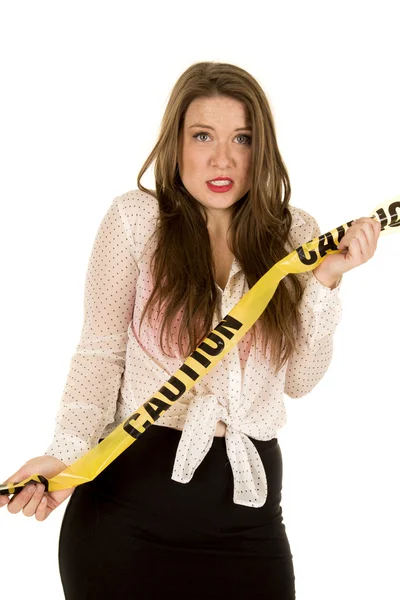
column 209, row 127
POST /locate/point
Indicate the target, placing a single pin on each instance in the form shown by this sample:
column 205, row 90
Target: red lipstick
column 220, row 188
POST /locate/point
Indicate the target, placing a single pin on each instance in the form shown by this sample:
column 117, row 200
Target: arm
column 91, row 391
column 321, row 309
column 320, row 312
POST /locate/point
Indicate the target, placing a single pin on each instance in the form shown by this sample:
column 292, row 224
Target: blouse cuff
column 67, row 447
column 319, row 295
column 322, row 312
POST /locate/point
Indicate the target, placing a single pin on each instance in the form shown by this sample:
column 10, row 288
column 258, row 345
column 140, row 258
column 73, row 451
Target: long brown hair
column 183, row 276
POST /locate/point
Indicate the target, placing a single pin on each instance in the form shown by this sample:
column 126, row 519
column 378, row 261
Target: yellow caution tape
column 218, row 342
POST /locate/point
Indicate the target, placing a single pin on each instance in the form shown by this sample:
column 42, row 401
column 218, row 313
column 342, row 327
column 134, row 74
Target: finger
column 364, row 219
column 18, row 476
column 358, row 226
column 375, row 224
column 4, row 498
column 18, row 501
column 30, row 508
column 363, row 247
column 354, row 231
column 43, row 510
column 368, row 240
column 355, row 254
column 349, row 235
column 368, row 236
column 377, row 227
column 347, row 239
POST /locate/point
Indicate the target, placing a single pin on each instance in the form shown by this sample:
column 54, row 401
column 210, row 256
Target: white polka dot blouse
column 114, row 370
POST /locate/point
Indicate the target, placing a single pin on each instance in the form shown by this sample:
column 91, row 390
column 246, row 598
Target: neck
column 218, row 222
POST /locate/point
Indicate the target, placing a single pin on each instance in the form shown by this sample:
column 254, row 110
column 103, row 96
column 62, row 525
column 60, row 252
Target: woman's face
column 215, row 141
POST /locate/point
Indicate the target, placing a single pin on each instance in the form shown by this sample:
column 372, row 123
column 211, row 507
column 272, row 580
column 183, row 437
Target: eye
column 200, row 133
column 247, row 137
column 242, row 135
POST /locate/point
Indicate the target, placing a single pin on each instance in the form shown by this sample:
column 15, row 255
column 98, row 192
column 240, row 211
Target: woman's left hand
column 357, row 246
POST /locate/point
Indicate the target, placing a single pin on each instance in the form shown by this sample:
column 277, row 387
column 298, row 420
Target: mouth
column 221, row 181
column 220, row 185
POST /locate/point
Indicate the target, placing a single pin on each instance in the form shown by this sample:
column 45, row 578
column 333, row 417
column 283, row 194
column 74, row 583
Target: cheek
column 189, row 154
column 246, row 164
column 195, row 162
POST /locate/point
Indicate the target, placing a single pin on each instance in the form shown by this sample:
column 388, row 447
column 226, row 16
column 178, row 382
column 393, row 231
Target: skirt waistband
column 218, row 441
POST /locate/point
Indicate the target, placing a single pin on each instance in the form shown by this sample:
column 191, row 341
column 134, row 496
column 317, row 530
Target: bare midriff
column 220, row 429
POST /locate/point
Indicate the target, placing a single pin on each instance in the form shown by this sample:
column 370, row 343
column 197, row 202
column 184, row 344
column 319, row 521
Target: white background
column 83, row 89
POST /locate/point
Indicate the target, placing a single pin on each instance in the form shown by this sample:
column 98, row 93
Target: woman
column 193, row 506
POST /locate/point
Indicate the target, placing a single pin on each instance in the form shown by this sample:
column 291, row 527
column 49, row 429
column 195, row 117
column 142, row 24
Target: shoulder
column 304, row 226
column 140, row 212
column 138, row 205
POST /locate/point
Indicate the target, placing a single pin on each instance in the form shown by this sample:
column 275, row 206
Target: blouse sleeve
column 320, row 313
column 88, row 402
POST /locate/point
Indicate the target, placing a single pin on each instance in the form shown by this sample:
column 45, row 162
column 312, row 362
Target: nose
column 222, row 156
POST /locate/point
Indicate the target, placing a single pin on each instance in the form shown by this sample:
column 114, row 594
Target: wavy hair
column 183, row 277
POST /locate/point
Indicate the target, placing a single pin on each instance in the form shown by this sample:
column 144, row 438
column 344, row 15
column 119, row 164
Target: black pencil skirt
column 134, row 533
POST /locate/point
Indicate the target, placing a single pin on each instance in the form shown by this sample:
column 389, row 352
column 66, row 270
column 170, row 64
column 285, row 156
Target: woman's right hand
column 29, row 499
